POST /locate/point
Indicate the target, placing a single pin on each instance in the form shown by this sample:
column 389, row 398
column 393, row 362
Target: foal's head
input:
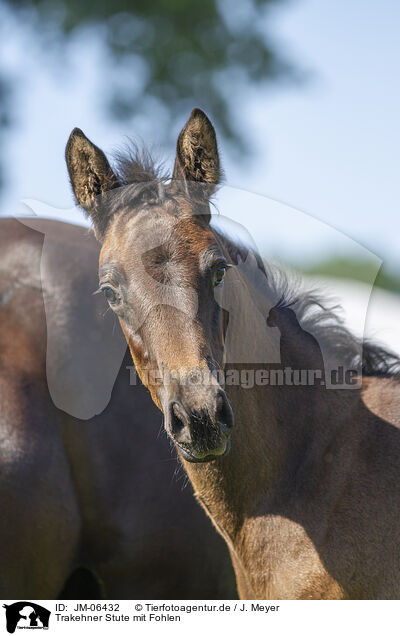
column 159, row 265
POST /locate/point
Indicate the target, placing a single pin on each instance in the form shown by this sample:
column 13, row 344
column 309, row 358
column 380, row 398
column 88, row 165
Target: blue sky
column 330, row 148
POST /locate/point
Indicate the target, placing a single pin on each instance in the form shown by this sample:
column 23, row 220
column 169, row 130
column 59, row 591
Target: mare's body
column 100, row 494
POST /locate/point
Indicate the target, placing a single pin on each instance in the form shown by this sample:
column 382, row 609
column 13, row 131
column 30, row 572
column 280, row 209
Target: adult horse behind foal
column 304, row 485
column 90, row 509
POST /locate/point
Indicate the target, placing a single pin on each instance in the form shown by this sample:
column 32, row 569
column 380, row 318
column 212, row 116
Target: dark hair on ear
column 92, row 178
column 196, row 173
column 197, row 158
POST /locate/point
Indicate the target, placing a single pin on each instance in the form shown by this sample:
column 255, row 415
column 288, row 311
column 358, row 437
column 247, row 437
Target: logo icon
column 26, row 615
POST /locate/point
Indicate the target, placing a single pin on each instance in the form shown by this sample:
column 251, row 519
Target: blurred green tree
column 349, row 268
column 167, row 56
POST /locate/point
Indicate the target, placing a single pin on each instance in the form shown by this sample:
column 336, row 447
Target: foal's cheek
column 148, row 376
column 141, row 362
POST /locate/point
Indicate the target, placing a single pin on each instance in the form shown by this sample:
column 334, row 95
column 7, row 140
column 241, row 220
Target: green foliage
column 171, row 54
column 363, row 271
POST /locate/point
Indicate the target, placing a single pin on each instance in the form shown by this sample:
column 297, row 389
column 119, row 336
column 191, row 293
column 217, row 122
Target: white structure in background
column 379, row 310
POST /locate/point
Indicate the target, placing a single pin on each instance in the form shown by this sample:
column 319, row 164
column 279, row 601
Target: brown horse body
column 311, row 479
column 313, row 511
column 91, row 508
column 304, row 488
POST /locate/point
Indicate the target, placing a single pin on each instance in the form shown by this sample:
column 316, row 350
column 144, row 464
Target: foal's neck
column 281, row 433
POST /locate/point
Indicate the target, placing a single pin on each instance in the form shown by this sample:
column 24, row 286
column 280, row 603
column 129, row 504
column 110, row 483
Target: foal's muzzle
column 200, row 428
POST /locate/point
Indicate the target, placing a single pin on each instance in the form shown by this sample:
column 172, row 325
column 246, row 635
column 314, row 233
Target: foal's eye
column 219, row 274
column 110, row 295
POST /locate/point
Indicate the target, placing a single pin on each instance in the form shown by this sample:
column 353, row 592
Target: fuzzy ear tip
column 198, row 113
column 75, row 134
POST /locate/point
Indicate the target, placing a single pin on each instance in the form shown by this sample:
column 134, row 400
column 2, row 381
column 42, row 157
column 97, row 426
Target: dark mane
column 320, row 317
column 143, row 181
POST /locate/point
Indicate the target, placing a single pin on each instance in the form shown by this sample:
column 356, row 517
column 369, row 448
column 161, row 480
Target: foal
column 301, row 481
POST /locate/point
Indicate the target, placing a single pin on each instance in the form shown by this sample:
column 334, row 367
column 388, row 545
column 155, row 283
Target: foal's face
column 159, row 266
column 159, row 272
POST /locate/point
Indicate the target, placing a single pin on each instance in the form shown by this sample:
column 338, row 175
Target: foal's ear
column 91, row 177
column 197, row 158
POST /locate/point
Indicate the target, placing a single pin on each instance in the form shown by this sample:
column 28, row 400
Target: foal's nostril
column 224, row 413
column 179, row 423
